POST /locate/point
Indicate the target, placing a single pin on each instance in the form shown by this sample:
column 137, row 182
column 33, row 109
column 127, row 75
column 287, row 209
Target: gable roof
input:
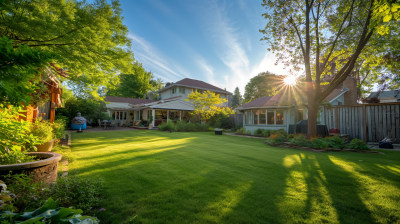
column 196, row 84
column 132, row 101
column 391, row 94
column 282, row 99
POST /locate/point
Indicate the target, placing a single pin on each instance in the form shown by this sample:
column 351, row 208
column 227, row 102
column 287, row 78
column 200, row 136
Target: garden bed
column 44, row 169
column 330, row 149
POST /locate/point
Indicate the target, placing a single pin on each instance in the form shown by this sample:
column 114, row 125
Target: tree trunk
column 312, row 118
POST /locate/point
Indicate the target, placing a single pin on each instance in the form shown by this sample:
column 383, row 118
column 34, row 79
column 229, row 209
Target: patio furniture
column 218, row 131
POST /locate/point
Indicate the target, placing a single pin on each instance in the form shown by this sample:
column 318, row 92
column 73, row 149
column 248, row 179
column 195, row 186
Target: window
column 182, row 90
column 255, row 112
column 248, row 117
column 119, row 115
column 270, row 117
column 262, row 117
column 173, row 90
column 279, row 116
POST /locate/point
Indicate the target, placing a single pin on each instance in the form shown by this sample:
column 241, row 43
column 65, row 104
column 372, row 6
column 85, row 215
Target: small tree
column 206, row 104
column 263, row 84
column 237, row 98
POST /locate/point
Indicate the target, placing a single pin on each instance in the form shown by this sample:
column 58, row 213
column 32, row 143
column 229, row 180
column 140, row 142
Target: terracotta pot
column 44, row 169
column 45, row 147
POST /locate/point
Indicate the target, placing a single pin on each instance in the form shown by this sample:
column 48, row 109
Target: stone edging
column 49, row 158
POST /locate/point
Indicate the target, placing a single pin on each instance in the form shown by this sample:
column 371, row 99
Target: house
column 391, row 96
column 171, row 106
column 288, row 107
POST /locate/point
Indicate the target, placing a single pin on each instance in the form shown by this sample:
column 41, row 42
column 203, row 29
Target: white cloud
column 147, row 54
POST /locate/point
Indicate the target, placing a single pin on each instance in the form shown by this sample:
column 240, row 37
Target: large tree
column 263, row 84
column 89, row 39
column 135, row 85
column 326, row 39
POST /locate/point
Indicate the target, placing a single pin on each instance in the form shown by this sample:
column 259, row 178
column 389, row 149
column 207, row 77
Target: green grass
column 161, row 177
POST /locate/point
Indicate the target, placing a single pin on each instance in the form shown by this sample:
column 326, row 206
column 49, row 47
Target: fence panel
column 381, row 120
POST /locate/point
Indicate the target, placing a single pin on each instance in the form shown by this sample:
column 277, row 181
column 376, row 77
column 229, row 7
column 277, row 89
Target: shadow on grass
column 226, row 180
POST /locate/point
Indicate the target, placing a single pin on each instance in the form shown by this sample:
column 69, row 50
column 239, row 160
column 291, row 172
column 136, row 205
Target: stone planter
column 45, row 147
column 44, row 169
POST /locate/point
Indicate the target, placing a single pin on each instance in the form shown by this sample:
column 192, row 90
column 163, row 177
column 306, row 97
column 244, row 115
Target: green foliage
column 19, row 70
column 28, row 194
column 301, row 140
column 59, row 129
column 236, row 99
column 258, row 132
column 319, row 143
column 242, row 131
column 89, row 38
column 336, row 142
column 14, row 157
column 266, row 133
column 135, row 85
column 323, row 39
column 277, row 137
column 357, row 144
column 48, row 213
column 43, row 130
column 14, row 136
column 206, row 104
column 77, row 192
column 264, row 84
column 90, row 108
column 183, row 126
column 168, row 126
column 221, row 118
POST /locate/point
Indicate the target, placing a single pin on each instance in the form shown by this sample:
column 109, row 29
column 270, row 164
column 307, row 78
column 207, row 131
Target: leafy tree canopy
column 89, row 39
column 135, row 85
column 328, row 39
column 237, row 98
column 263, row 84
column 206, row 104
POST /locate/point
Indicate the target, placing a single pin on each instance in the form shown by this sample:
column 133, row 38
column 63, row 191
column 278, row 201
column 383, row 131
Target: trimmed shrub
column 258, row 132
column 319, row 143
column 169, row 126
column 358, row 144
column 301, row 140
column 336, row 142
column 266, row 133
column 277, row 138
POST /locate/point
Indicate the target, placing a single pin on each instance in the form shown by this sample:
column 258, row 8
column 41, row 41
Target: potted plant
column 43, row 130
column 17, row 139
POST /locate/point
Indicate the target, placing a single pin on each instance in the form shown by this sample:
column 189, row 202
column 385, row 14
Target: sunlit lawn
column 161, row 177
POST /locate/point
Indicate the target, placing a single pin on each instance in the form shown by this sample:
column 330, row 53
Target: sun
column 290, row 80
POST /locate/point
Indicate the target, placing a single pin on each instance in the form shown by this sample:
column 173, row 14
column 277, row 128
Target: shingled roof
column 197, row 84
column 132, row 101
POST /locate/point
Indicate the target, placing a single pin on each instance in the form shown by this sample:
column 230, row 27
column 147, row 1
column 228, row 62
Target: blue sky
column 210, row 40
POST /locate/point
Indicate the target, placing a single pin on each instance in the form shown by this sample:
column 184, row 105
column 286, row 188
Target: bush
column 59, row 129
column 301, row 140
column 169, row 126
column 242, row 131
column 28, row 194
column 336, row 142
column 43, row 130
column 277, row 138
column 14, row 136
column 266, row 133
column 258, row 132
column 319, row 143
column 48, row 213
column 358, row 144
column 77, row 192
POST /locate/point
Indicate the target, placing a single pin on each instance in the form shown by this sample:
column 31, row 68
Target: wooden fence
column 237, row 119
column 370, row 122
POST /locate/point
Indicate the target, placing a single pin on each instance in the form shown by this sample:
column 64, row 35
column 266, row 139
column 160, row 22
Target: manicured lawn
column 161, row 177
